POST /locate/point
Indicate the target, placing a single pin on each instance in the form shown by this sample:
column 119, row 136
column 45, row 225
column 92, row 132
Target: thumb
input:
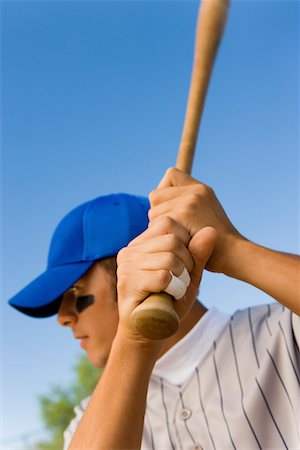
column 201, row 247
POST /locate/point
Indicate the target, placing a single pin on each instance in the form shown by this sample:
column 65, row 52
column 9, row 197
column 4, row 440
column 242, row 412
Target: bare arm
column 114, row 417
column 276, row 273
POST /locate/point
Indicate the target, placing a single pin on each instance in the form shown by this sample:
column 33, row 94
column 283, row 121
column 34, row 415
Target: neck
column 195, row 314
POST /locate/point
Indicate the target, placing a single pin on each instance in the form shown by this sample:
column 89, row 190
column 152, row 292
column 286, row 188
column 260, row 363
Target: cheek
column 101, row 335
column 99, row 348
column 105, row 330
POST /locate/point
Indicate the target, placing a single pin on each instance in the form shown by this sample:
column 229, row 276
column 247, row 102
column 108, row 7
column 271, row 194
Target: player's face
column 90, row 309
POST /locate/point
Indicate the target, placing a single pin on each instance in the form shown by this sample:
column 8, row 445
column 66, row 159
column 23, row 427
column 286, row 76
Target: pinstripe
column 221, row 397
column 241, row 388
column 269, row 409
column 185, row 423
column 282, row 382
column 151, row 433
column 203, row 411
column 287, row 348
column 252, row 334
column 267, row 322
column 166, row 412
column 177, row 434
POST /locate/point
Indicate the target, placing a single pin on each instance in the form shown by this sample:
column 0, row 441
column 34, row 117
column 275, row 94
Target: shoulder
column 267, row 322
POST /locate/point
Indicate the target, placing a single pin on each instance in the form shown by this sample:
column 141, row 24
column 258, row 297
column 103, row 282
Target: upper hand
column 195, row 206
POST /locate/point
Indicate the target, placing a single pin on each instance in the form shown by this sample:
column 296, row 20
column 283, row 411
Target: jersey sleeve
column 72, row 427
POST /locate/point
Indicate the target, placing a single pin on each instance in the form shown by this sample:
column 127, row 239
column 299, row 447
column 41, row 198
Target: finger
column 168, row 246
column 163, row 226
column 162, row 261
column 158, row 196
column 160, row 281
column 146, row 282
column 175, row 177
column 201, row 247
column 175, row 212
column 185, row 276
column 170, row 208
column 176, row 288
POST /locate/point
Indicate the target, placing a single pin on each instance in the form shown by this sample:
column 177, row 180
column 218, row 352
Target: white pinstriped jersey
column 243, row 392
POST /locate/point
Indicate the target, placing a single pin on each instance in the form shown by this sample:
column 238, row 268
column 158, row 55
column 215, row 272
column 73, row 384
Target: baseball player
column 221, row 382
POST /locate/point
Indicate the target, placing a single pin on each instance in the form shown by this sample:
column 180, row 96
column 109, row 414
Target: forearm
column 115, row 415
column 276, row 273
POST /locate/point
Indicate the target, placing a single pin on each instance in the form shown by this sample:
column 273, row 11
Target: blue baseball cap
column 94, row 230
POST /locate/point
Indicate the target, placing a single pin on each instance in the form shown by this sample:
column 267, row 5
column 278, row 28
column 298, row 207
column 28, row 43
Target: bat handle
column 156, row 317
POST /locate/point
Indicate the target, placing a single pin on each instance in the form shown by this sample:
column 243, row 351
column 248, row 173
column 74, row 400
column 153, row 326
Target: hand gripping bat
column 155, row 317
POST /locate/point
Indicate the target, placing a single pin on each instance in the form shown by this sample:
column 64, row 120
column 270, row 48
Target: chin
column 97, row 360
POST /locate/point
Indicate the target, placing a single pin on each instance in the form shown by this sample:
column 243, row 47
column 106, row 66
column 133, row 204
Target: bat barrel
column 210, row 27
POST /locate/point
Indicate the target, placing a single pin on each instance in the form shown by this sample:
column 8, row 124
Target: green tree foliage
column 57, row 407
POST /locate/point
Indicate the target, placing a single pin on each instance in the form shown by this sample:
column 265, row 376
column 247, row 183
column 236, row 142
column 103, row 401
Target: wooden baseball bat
column 155, row 317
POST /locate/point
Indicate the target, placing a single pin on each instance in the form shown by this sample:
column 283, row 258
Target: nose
column 67, row 315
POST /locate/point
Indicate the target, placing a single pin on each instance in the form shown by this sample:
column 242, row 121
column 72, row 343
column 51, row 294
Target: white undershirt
column 179, row 362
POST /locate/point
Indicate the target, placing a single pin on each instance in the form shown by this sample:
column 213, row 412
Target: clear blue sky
column 93, row 101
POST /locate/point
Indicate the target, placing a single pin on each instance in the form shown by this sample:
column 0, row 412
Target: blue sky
column 93, row 102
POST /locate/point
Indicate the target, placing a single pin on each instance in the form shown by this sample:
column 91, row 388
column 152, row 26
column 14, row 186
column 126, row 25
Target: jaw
column 97, row 357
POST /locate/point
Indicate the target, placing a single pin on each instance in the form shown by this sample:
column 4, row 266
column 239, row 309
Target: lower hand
column 144, row 267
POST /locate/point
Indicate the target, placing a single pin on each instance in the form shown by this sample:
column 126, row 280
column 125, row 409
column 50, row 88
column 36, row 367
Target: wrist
column 138, row 345
column 240, row 255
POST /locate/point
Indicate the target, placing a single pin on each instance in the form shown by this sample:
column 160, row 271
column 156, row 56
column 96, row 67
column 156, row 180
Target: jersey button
column 197, row 447
column 185, row 413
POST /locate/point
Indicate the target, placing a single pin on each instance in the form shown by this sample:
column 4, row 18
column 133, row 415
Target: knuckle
column 203, row 189
column 121, row 255
column 126, row 274
column 119, row 276
column 163, row 278
column 192, row 201
column 173, row 241
column 170, row 171
column 121, row 279
column 194, row 198
column 151, row 214
column 153, row 197
column 171, row 260
column 165, row 224
column 119, row 270
column 208, row 191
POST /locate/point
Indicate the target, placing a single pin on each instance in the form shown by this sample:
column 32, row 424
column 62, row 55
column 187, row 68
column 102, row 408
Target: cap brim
column 40, row 298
